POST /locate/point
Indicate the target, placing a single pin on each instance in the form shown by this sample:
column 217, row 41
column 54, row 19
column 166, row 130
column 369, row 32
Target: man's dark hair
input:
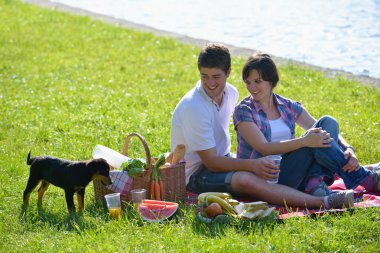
column 266, row 67
column 215, row 56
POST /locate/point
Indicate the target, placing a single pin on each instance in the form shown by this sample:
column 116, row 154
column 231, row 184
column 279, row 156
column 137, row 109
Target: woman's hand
column 317, row 138
column 353, row 162
column 265, row 168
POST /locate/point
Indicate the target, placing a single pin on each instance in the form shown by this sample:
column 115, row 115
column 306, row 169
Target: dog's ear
column 98, row 164
column 100, row 169
column 95, row 161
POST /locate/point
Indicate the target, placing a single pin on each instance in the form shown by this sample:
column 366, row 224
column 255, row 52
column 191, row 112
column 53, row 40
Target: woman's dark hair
column 266, row 67
column 215, row 56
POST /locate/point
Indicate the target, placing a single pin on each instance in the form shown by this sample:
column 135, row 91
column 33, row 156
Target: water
column 340, row 34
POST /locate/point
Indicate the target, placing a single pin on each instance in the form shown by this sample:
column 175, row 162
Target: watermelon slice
column 158, row 202
column 156, row 211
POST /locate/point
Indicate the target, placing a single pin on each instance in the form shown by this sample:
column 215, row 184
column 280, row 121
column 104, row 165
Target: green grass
column 68, row 83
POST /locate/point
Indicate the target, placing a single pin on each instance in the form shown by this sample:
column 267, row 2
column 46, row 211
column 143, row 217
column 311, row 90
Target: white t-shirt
column 199, row 124
column 279, row 130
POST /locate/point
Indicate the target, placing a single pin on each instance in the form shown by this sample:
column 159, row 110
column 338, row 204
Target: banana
column 233, row 202
column 227, row 208
column 202, row 197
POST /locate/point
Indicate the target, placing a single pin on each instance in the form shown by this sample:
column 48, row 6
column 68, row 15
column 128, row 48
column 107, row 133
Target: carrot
column 152, row 184
column 157, row 191
column 162, row 189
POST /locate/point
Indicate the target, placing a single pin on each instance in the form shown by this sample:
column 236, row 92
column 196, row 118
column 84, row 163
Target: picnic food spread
column 164, row 179
column 214, row 204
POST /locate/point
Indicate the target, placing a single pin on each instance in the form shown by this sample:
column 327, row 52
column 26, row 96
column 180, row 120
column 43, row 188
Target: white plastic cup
column 138, row 195
column 113, row 158
column 277, row 160
column 113, row 204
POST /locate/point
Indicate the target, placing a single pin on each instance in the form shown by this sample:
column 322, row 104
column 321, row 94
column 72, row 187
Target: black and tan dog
column 71, row 176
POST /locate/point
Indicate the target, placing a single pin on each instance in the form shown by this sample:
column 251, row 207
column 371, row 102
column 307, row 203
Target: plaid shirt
column 250, row 111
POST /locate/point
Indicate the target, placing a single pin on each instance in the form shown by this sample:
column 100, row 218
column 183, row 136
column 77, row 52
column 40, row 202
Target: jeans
column 301, row 164
column 204, row 180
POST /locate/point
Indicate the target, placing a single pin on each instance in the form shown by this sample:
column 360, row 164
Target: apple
column 213, row 210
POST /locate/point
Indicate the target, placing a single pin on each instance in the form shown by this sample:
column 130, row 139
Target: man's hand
column 265, row 168
column 353, row 162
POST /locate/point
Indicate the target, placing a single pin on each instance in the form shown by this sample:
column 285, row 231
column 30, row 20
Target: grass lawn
column 68, row 83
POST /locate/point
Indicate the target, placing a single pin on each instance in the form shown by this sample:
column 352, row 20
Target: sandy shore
column 238, row 51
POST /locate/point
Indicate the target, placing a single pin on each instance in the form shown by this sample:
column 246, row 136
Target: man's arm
column 262, row 167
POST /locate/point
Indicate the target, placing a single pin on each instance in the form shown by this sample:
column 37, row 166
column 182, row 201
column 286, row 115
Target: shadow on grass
column 62, row 220
column 35, row 217
column 77, row 222
column 218, row 228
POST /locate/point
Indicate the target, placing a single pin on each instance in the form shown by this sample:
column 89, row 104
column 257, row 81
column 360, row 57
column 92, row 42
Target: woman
column 265, row 124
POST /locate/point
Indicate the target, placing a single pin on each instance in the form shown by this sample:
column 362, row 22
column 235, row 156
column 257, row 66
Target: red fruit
column 213, row 210
column 157, row 212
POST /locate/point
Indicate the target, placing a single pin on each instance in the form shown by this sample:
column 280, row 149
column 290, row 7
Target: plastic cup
column 138, row 195
column 113, row 204
column 277, row 160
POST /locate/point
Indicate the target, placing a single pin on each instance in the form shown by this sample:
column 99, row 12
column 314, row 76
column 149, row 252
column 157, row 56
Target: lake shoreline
column 235, row 51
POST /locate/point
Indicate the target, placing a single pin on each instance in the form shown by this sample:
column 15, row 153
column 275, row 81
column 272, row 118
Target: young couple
column 265, row 124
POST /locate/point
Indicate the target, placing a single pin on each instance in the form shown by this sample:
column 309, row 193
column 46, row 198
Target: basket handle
column 147, row 151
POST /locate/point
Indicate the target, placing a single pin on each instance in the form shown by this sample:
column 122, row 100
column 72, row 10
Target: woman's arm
column 252, row 134
column 305, row 120
column 349, row 153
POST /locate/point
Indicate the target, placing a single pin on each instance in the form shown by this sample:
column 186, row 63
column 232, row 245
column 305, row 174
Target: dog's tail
column 29, row 160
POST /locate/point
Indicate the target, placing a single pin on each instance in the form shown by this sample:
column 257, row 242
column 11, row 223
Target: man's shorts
column 204, row 180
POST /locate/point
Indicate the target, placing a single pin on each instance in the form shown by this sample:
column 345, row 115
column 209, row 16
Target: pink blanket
column 362, row 199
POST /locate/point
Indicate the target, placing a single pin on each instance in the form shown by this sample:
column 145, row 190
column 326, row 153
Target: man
column 201, row 122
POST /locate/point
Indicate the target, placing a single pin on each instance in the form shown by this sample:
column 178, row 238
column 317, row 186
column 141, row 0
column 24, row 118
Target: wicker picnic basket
column 173, row 177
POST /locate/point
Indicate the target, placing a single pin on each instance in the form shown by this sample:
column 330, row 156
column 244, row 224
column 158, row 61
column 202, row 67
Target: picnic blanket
column 363, row 199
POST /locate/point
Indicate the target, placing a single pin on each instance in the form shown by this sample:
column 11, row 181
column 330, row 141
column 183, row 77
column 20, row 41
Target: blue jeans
column 204, row 180
column 299, row 165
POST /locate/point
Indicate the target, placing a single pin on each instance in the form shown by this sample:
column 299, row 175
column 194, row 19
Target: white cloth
column 279, row 130
column 199, row 124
